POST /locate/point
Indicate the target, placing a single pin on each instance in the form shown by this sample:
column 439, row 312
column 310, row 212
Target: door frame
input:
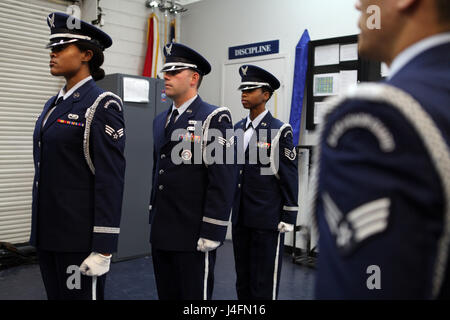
column 254, row 60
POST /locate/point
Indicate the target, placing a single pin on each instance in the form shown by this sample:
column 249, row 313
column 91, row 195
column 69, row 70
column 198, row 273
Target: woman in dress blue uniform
column 78, row 148
column 265, row 205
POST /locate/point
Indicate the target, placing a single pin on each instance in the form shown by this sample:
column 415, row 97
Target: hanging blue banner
column 254, row 49
column 298, row 89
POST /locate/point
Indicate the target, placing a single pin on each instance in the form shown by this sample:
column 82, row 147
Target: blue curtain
column 298, row 90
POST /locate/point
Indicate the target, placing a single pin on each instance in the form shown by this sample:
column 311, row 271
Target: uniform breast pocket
column 69, row 132
column 189, row 148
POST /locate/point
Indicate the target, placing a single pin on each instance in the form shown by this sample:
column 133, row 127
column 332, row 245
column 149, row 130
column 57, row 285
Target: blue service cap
column 68, row 29
column 179, row 56
column 253, row 77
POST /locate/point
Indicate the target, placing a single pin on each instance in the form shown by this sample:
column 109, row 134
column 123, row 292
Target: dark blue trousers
column 184, row 275
column 63, row 280
column 258, row 257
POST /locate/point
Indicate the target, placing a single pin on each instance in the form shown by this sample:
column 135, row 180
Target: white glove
column 205, row 245
column 285, row 227
column 95, row 265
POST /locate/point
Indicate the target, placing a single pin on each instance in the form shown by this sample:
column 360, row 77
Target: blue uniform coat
column 381, row 202
column 74, row 210
column 189, row 200
column 261, row 201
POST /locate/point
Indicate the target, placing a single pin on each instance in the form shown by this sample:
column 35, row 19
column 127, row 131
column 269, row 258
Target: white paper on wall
column 135, row 90
column 326, row 55
column 349, row 52
column 347, row 80
column 320, row 109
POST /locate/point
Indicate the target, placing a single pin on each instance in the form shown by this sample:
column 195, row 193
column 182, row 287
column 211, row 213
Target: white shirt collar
column 65, row 95
column 181, row 109
column 257, row 120
column 413, row 51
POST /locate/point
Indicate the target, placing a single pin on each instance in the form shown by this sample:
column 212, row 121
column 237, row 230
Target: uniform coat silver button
column 239, row 185
column 161, row 187
column 161, row 171
column 163, row 156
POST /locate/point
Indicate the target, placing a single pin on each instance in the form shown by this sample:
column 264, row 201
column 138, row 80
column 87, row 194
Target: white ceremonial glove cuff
column 205, row 245
column 285, row 227
column 95, row 265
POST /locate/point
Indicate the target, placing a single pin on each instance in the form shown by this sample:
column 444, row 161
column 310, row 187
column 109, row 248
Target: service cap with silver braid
column 65, row 29
column 253, row 77
column 180, row 57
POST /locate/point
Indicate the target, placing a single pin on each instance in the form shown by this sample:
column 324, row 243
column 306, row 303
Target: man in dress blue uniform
column 265, row 203
column 78, row 147
column 191, row 196
column 381, row 184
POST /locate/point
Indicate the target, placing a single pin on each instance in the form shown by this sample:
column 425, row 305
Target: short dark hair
column 200, row 76
column 443, row 8
column 200, row 79
column 269, row 90
column 97, row 60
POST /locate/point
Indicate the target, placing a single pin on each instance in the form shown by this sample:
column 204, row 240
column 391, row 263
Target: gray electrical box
column 143, row 98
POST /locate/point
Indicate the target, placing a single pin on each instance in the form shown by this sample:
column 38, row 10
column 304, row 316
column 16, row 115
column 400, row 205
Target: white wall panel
column 25, row 85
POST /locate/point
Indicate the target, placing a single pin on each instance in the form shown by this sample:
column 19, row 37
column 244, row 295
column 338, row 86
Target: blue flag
column 298, row 89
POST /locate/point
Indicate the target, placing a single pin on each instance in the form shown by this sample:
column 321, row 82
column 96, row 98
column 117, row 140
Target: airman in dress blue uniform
column 191, row 197
column 265, row 203
column 78, row 146
column 381, row 181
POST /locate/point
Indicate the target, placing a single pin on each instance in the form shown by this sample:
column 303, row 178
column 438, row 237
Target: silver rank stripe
column 286, row 208
column 368, row 219
column 107, row 230
column 215, row 221
column 224, row 141
column 290, row 154
column 120, row 132
column 110, row 131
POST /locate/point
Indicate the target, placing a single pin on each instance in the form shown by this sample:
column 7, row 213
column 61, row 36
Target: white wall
column 214, row 25
column 126, row 23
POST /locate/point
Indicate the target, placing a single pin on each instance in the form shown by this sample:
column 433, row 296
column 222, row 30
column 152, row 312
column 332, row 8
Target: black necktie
column 60, row 99
column 171, row 121
column 249, row 126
